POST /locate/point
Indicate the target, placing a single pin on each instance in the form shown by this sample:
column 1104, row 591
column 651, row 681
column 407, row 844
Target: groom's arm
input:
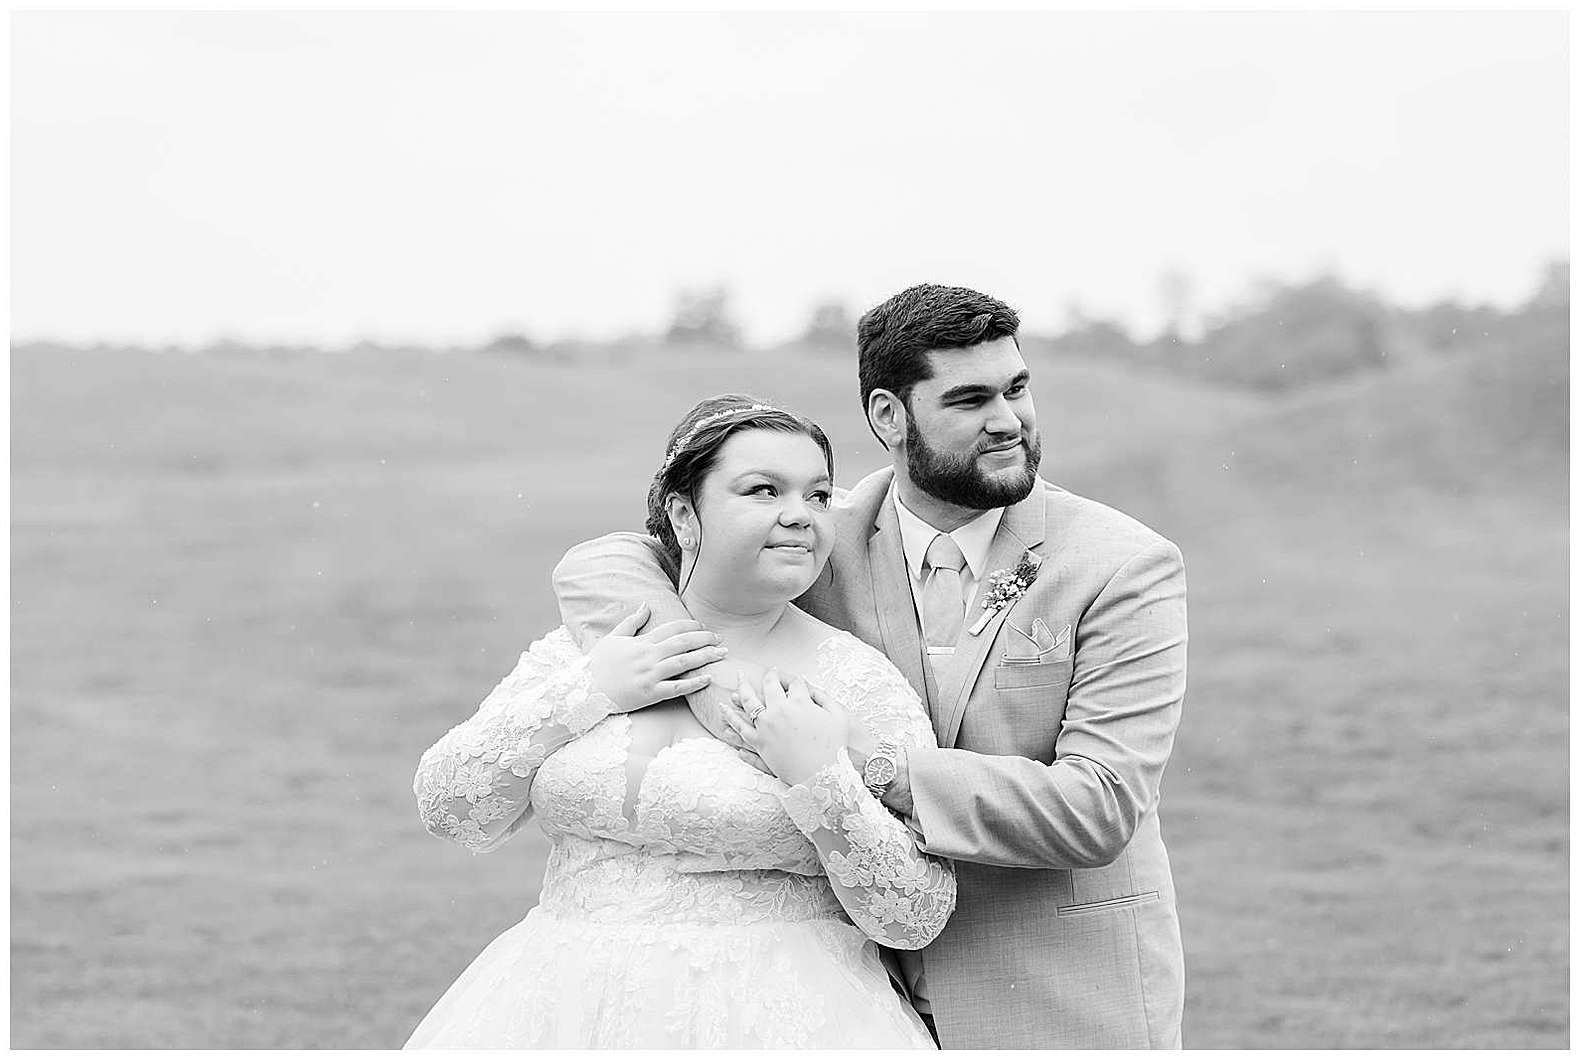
column 601, row 581
column 1126, row 694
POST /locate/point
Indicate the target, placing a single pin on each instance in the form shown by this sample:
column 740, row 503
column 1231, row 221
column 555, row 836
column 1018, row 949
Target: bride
column 692, row 899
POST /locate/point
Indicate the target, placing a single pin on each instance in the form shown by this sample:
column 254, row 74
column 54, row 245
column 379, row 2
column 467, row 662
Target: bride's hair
column 693, row 450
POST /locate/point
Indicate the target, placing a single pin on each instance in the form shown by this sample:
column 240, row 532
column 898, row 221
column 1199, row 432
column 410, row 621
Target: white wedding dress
column 690, row 900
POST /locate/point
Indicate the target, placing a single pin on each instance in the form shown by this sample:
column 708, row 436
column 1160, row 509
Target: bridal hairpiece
column 713, row 417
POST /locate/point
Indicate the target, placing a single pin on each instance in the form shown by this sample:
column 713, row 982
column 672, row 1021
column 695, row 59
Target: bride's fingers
column 753, row 759
column 628, row 625
column 798, row 699
column 682, row 686
column 672, row 629
column 824, row 700
column 750, row 706
column 773, row 691
column 736, row 720
column 746, row 697
column 681, row 643
column 675, row 665
column 799, row 690
column 744, row 692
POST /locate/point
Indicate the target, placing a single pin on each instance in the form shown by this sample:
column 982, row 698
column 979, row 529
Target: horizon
column 1187, row 337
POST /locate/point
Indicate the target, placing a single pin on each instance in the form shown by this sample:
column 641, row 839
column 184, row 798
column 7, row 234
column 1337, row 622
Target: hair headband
column 708, row 420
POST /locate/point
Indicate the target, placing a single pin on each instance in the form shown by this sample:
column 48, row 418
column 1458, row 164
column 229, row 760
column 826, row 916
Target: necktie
column 942, row 606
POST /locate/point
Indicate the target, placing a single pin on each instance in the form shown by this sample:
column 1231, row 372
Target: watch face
column 879, row 771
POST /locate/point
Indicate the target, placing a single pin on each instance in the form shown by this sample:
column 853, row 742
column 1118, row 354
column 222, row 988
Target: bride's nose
column 795, row 512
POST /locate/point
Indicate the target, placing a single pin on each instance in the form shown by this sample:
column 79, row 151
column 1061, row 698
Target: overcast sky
column 440, row 177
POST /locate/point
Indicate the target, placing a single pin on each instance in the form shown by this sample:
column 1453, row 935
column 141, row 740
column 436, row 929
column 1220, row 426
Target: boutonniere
column 1006, row 586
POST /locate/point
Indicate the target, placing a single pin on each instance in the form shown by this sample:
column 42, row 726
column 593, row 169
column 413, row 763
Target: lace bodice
column 697, row 834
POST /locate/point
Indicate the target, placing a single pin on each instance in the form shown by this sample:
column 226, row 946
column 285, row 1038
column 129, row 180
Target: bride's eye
column 759, row 488
column 822, row 498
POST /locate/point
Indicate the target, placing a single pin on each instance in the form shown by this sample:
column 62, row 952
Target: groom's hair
column 893, row 338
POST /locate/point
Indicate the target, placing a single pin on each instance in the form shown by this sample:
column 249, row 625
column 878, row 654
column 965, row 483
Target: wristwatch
column 882, row 766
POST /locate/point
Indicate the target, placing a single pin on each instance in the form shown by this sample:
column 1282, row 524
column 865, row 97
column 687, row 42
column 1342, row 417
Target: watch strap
column 879, row 771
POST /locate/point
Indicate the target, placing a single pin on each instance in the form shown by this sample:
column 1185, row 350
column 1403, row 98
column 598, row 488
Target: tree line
column 1281, row 335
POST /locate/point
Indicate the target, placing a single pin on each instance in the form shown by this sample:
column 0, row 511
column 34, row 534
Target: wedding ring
column 753, row 715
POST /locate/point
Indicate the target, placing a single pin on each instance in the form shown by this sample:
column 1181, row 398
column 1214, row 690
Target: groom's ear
column 886, row 416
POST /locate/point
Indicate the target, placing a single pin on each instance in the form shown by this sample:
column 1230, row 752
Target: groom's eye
column 822, row 497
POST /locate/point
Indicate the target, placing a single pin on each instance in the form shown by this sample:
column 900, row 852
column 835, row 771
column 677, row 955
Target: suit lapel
column 1023, row 527
column 891, row 590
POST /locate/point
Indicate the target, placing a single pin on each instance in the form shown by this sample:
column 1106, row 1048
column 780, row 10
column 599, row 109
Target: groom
column 1046, row 634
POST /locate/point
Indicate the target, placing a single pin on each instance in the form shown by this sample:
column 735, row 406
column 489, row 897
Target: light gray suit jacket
column 1053, row 736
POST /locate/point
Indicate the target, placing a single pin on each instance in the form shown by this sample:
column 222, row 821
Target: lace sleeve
column 894, row 892
column 473, row 785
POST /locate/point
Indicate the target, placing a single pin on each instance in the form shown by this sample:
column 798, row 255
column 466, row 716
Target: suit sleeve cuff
column 923, row 769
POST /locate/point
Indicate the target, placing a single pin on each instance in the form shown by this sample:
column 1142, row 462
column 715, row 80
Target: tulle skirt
column 555, row 982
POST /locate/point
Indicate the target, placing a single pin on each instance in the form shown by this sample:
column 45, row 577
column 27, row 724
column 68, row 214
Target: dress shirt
column 975, row 540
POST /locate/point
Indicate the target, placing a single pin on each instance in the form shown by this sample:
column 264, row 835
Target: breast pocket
column 1032, row 674
column 1027, row 712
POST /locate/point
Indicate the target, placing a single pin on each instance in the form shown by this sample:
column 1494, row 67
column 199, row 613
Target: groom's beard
column 954, row 478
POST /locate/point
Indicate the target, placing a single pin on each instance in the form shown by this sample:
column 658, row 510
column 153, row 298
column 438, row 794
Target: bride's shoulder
column 817, row 634
column 847, row 652
column 869, row 686
column 556, row 645
column 844, row 658
column 844, row 642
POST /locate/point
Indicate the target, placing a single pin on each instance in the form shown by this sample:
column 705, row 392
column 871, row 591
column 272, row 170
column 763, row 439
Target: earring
column 686, row 542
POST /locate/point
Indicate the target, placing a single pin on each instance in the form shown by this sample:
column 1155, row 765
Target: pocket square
column 1037, row 644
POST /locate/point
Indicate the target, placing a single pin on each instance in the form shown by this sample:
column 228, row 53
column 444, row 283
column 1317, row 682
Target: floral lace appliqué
column 694, row 902
column 895, row 893
column 473, row 786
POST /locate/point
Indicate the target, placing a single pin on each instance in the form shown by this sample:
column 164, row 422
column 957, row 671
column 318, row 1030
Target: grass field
column 248, row 591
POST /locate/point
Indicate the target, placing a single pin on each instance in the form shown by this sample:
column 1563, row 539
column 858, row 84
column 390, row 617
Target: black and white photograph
column 903, row 530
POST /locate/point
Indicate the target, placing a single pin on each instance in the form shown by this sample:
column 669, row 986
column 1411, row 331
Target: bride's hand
column 794, row 728
column 713, row 707
column 637, row 669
